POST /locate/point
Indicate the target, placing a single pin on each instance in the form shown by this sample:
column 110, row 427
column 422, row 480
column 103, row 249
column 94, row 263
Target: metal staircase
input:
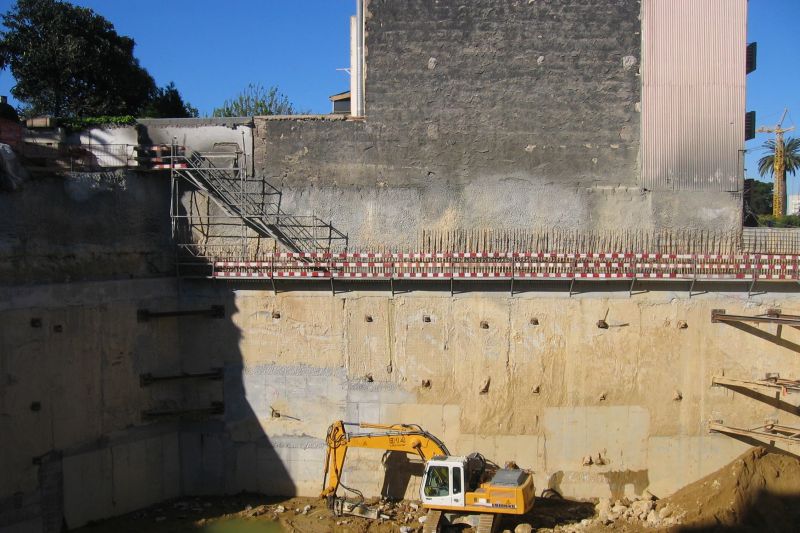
column 259, row 210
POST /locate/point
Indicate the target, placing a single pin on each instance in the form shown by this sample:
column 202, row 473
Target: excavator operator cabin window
column 457, row 480
column 438, row 482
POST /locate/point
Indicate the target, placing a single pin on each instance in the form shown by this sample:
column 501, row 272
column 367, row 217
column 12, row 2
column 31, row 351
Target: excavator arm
column 408, row 438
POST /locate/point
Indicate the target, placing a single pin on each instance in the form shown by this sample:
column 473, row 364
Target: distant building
column 793, row 204
column 341, row 103
column 6, row 111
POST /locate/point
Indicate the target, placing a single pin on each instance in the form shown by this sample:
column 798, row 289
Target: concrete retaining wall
column 637, row 395
column 634, row 397
column 383, row 194
column 71, row 403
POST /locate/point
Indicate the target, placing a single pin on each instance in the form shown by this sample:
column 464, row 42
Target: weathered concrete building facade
column 490, row 114
column 504, row 115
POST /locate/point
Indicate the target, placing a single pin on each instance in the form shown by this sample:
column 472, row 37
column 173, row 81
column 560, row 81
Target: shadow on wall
column 618, row 479
column 234, row 454
column 110, row 403
column 398, row 471
column 775, row 338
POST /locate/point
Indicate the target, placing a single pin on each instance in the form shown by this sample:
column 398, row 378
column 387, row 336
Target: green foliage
column 82, row 123
column 766, row 165
column 167, row 102
column 253, row 101
column 69, row 62
column 759, row 195
column 787, row 221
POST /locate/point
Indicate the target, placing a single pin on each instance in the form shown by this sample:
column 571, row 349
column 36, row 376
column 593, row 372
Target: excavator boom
column 408, row 438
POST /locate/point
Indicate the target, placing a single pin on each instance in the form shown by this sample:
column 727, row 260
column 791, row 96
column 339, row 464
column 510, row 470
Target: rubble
column 757, row 480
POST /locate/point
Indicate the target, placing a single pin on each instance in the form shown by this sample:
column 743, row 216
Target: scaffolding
column 235, row 215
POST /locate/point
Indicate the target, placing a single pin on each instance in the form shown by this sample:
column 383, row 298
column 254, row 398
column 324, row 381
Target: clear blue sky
column 213, row 49
column 774, row 85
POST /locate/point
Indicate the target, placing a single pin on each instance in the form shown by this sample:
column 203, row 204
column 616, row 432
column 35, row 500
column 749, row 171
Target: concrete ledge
column 332, row 118
column 195, row 122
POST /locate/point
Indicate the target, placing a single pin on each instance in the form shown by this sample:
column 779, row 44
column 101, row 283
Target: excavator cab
column 443, row 482
column 466, row 484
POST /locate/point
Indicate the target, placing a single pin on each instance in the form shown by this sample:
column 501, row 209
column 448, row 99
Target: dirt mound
column 759, row 491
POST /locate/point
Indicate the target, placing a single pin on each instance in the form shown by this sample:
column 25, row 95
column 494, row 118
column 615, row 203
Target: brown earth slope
column 759, row 491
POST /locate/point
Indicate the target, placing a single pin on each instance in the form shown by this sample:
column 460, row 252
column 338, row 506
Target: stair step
column 294, row 234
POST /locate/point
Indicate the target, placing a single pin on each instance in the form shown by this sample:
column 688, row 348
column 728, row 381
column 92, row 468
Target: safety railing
column 513, row 265
column 87, row 157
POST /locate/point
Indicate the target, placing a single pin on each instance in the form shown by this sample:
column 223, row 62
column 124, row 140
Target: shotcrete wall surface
column 84, row 226
column 356, row 176
column 635, row 397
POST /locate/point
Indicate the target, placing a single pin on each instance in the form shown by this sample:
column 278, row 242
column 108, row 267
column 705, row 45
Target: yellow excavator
column 450, row 484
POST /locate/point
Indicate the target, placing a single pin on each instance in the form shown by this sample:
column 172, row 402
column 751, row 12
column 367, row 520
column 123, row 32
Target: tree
column 758, row 195
column 254, row 100
column 167, row 102
column 69, row 62
column 766, row 165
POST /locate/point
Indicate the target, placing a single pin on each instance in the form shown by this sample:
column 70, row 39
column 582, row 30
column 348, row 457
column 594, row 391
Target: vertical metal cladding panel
column 694, row 54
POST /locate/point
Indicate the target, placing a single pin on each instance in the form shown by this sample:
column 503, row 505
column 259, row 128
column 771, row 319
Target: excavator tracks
column 488, row 523
column 432, row 522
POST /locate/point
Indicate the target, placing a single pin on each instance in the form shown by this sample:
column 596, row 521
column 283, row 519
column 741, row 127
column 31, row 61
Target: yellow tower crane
column 779, row 169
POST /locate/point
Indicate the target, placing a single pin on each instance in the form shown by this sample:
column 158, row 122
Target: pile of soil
column 759, row 491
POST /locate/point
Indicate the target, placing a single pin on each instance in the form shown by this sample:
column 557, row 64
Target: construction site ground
column 759, row 491
column 254, row 513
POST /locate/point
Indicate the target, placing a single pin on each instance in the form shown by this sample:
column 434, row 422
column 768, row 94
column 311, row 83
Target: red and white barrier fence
column 515, row 265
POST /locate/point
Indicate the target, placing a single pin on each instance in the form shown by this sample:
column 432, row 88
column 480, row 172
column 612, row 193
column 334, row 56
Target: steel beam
column 215, row 311
column 150, row 379
column 783, row 438
column 772, row 385
column 216, row 408
column 719, row 315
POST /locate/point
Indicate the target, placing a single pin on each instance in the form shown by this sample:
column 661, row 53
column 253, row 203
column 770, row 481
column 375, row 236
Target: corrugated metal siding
column 693, row 101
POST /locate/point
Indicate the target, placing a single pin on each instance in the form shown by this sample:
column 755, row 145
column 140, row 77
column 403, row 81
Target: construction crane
column 779, row 169
column 453, row 484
